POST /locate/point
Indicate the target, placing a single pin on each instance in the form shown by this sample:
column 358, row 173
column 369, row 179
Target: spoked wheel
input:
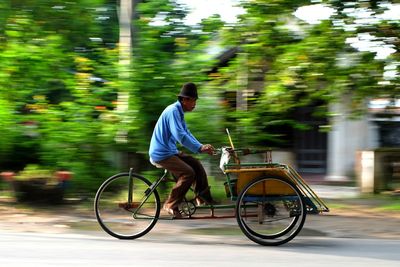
column 270, row 211
column 125, row 208
column 187, row 208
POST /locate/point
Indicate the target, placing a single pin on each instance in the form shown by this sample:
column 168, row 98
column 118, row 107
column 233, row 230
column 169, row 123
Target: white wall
column 346, row 138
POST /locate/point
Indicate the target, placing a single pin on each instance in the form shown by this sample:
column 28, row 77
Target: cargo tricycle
column 269, row 200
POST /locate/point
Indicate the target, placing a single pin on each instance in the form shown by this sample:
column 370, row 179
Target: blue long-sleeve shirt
column 170, row 130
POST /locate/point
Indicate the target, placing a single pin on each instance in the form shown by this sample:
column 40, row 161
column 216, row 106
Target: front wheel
column 270, row 211
column 125, row 207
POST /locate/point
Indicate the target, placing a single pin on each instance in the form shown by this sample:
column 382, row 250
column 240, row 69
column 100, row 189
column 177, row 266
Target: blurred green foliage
column 60, row 78
column 32, row 171
column 297, row 64
column 53, row 107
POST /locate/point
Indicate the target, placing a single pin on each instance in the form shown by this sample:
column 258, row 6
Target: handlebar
column 242, row 151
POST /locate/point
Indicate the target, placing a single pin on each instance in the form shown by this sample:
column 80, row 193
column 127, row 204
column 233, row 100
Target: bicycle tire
column 122, row 219
column 270, row 219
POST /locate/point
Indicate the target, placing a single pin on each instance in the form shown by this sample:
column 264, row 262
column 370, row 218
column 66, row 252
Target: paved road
column 67, row 236
column 35, row 249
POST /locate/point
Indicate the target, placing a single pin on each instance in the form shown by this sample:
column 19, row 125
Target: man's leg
column 200, row 182
column 185, row 178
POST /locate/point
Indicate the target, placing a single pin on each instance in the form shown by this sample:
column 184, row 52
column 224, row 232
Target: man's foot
column 174, row 212
column 203, row 202
column 204, row 198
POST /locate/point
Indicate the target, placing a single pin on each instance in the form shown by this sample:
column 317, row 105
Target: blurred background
column 82, row 83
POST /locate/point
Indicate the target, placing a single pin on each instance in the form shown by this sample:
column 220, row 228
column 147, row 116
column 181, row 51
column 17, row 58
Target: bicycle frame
column 147, row 193
column 271, row 217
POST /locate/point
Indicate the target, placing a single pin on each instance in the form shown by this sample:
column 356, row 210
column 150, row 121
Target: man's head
column 188, row 96
column 189, row 90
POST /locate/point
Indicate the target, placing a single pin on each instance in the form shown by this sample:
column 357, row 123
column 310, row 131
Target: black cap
column 189, row 90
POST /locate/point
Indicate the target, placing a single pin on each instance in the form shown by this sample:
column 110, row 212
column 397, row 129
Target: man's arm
column 183, row 136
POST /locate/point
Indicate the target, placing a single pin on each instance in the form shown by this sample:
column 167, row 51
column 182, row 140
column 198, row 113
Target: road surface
column 38, row 249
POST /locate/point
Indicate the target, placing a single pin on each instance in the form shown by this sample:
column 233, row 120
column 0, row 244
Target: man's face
column 188, row 104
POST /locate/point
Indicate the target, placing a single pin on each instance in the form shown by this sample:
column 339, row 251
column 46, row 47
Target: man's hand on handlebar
column 207, row 149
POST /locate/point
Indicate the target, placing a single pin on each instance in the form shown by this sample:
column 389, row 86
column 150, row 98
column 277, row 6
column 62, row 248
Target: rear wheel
column 125, row 208
column 270, row 211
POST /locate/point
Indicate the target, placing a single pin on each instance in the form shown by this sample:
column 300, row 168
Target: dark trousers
column 188, row 171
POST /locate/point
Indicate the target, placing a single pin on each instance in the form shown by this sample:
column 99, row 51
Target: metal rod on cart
column 230, row 139
column 232, row 146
